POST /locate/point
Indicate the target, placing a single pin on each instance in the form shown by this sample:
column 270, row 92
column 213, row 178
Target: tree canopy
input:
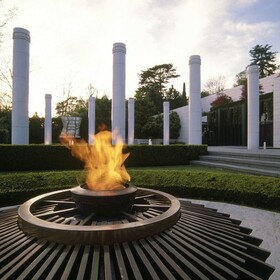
column 6, row 14
column 154, row 126
column 153, row 90
column 214, row 85
column 71, row 106
column 221, row 99
column 262, row 56
column 153, row 85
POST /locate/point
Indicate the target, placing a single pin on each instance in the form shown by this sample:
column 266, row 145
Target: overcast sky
column 71, row 40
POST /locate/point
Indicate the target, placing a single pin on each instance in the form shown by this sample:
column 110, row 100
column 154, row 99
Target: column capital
column 252, row 69
column 21, row 33
column 194, row 59
column 91, row 98
column 119, row 47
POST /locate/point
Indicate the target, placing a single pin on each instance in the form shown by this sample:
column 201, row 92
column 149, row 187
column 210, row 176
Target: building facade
column 227, row 125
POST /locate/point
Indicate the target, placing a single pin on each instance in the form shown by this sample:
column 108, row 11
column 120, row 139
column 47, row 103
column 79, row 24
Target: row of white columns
column 20, row 121
column 195, row 111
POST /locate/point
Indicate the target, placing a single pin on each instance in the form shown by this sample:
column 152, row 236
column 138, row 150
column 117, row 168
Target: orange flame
column 104, row 162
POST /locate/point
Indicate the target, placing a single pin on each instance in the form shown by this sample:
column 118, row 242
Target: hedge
column 181, row 181
column 58, row 157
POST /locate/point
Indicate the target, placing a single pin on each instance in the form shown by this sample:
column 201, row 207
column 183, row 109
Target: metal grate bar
column 84, row 261
column 132, row 261
column 195, row 267
column 95, row 262
column 120, row 262
column 176, row 269
column 149, row 267
column 44, row 269
column 70, row 264
column 19, row 264
column 29, row 270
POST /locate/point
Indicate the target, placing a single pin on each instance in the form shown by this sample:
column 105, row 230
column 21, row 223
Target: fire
column 104, row 162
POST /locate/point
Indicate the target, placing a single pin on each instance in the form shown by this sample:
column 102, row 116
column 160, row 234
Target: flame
column 104, row 162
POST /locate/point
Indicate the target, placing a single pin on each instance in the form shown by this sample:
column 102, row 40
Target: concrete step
column 266, row 163
column 261, row 155
column 260, row 162
column 243, row 169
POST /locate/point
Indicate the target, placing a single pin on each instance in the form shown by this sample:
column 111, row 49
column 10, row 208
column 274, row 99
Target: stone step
column 261, row 155
column 239, row 168
column 271, row 164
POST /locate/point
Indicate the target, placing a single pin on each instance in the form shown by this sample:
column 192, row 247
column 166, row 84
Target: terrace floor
column 265, row 225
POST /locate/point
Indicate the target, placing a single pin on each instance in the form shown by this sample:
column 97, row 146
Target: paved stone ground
column 265, row 225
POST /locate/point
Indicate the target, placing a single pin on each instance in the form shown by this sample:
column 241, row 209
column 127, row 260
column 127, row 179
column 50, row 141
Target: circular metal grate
column 202, row 244
column 55, row 217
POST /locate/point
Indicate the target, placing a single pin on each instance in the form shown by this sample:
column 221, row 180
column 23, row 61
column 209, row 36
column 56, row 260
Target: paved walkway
column 265, row 225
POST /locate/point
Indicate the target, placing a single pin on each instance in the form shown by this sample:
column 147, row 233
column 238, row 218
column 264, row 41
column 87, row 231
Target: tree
column 36, row 129
column 154, row 126
column 265, row 59
column 71, row 106
column 175, row 98
column 215, row 85
column 56, row 129
column 152, row 91
column 175, row 125
column 6, row 15
column 144, row 109
column 204, row 93
column 153, row 84
column 221, row 99
column 240, row 79
column 5, row 125
column 103, row 111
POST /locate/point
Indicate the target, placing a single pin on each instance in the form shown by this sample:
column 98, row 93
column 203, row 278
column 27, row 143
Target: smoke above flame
column 104, row 162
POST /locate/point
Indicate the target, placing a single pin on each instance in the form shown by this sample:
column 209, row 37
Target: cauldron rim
column 82, row 190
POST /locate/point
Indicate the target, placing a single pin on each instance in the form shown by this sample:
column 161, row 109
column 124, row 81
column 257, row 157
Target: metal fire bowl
column 55, row 217
column 103, row 203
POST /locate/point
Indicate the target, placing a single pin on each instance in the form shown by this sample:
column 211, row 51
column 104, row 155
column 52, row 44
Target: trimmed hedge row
column 58, row 157
column 211, row 184
column 185, row 181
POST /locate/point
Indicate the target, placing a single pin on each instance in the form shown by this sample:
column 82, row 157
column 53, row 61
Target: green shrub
column 181, row 181
column 160, row 155
column 4, row 136
column 58, row 157
column 36, row 157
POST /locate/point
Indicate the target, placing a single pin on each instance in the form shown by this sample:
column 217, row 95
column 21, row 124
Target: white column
column 48, row 119
column 20, row 121
column 91, row 119
column 166, row 126
column 118, row 98
column 253, row 107
column 131, row 121
column 195, row 110
column 276, row 113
